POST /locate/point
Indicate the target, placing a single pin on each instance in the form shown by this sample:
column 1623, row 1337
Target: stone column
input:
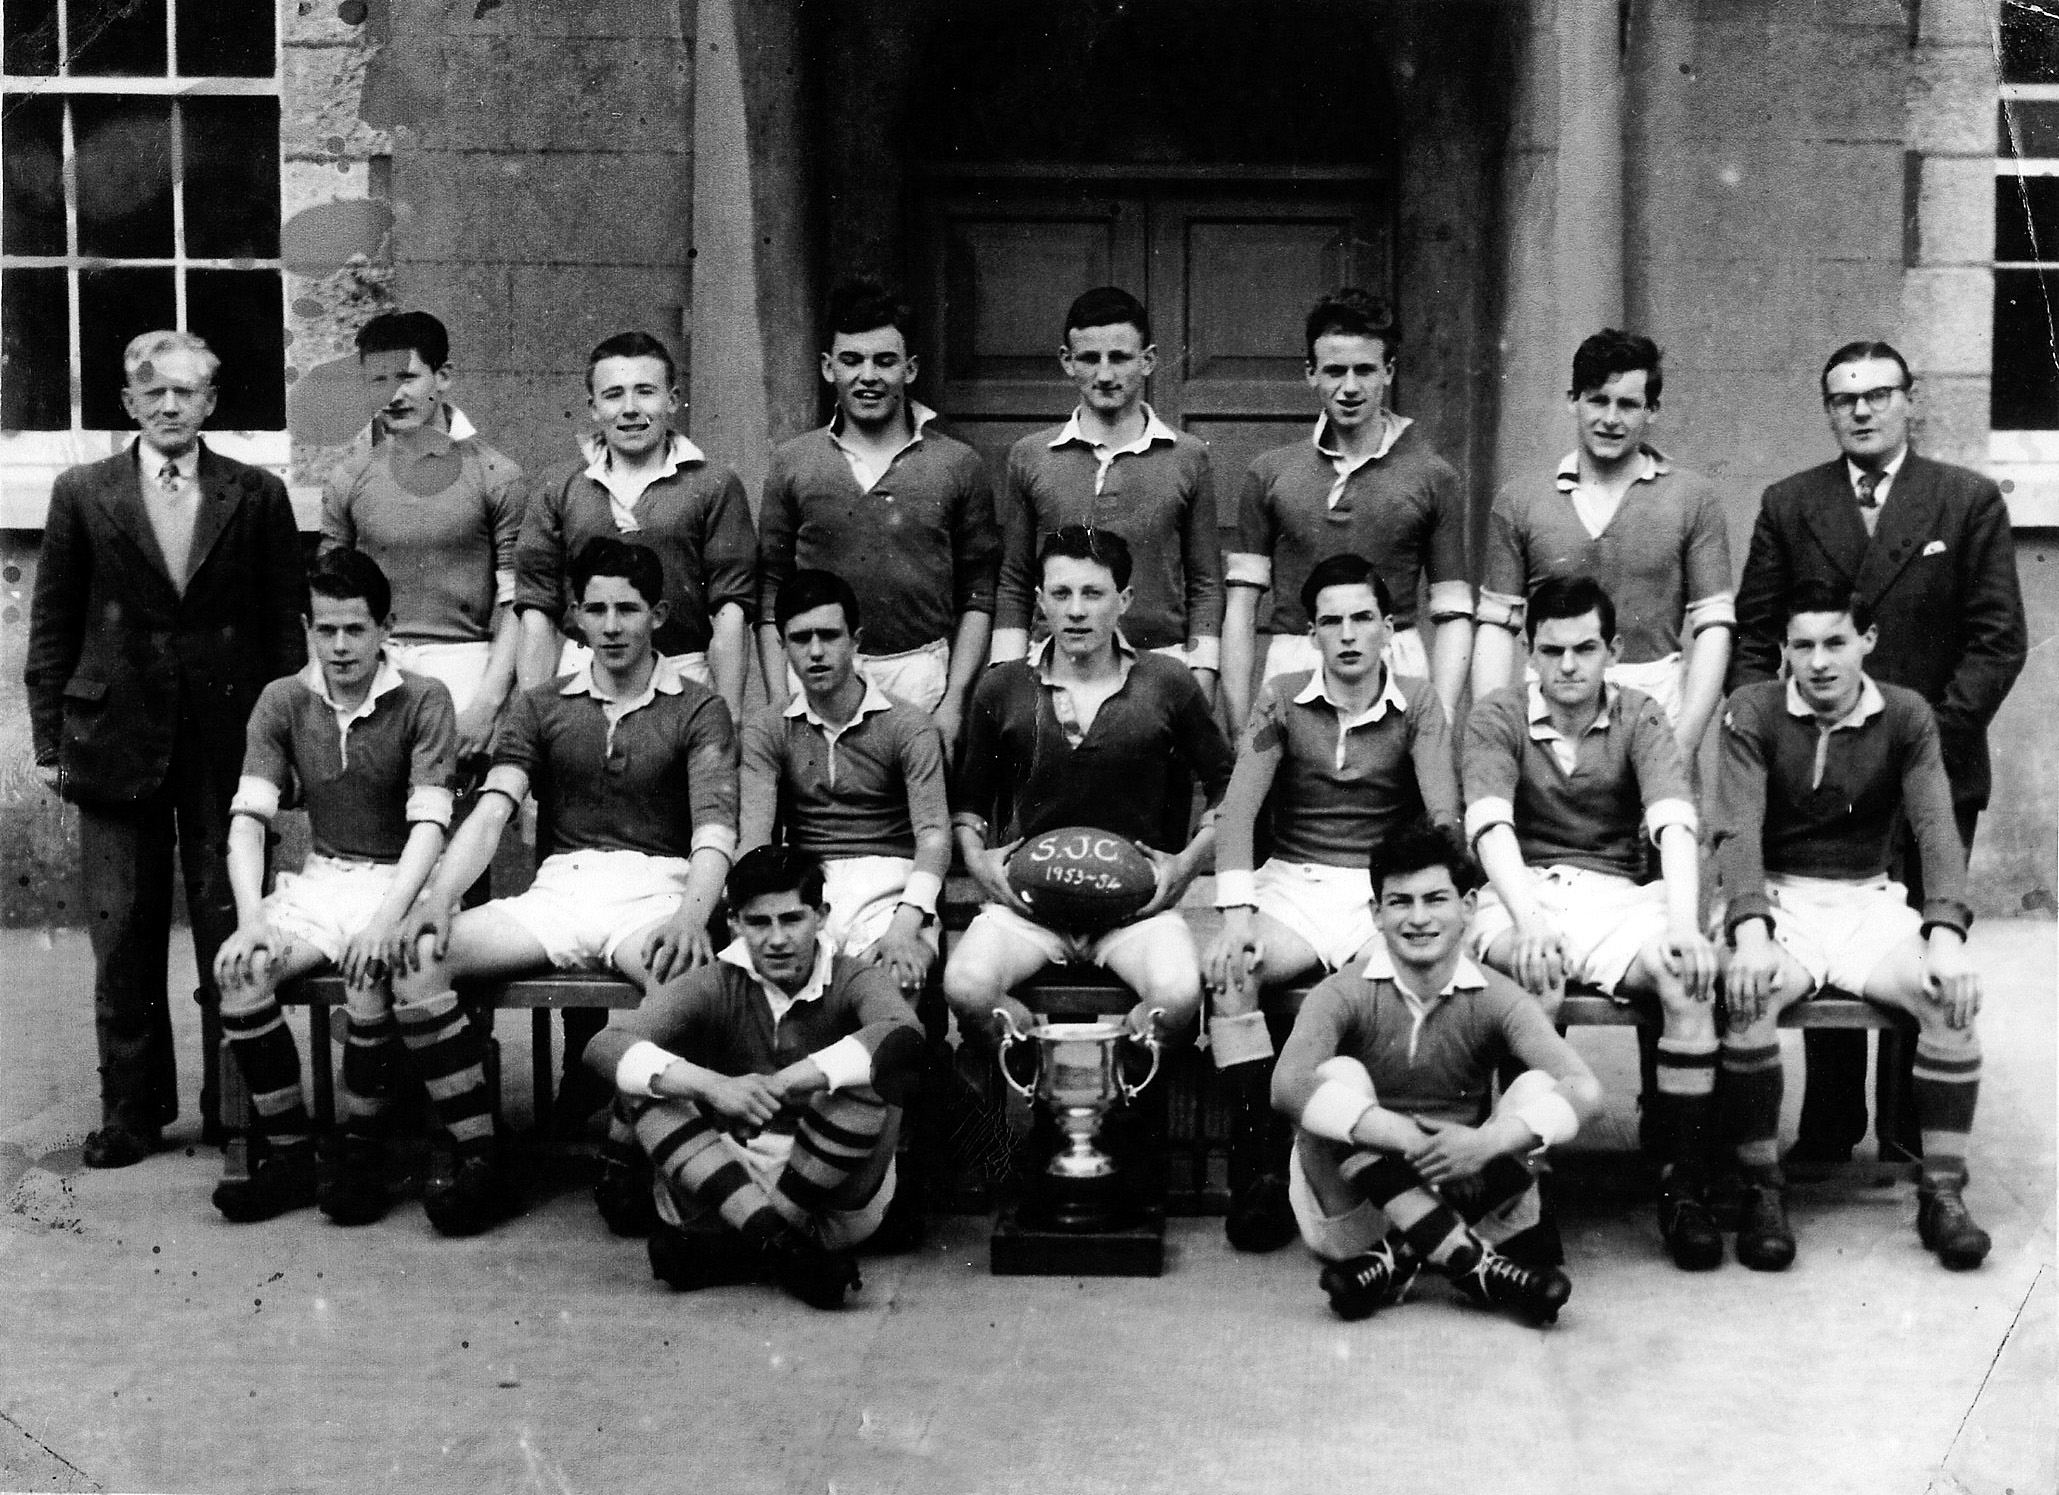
column 1563, row 213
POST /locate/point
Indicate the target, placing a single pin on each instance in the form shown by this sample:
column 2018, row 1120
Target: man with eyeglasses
column 1927, row 547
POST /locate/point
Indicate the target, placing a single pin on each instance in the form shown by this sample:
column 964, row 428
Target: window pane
column 31, row 44
column 35, row 351
column 242, row 314
column 2027, row 127
column 2030, row 43
column 124, row 177
column 117, row 37
column 2026, row 387
column 232, row 178
column 225, row 39
column 114, row 306
column 32, row 210
column 2027, row 218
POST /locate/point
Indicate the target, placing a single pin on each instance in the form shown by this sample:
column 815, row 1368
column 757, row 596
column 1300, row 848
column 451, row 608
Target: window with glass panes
column 140, row 147
column 2025, row 389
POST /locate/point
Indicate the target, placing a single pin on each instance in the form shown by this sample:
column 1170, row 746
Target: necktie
column 169, row 481
column 1869, row 501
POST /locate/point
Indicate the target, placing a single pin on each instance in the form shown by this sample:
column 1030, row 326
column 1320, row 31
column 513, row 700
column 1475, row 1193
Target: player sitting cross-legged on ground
column 766, row 1089
column 1565, row 778
column 1339, row 757
column 1386, row 1074
column 373, row 751
column 1085, row 732
column 1815, row 771
column 634, row 767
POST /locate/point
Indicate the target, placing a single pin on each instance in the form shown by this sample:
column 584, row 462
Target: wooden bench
column 320, row 993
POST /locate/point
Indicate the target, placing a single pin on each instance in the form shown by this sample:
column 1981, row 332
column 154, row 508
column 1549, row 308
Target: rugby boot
column 687, row 1261
column 1359, row 1286
column 1687, row 1227
column 808, row 1270
column 474, row 1197
column 1765, row 1243
column 622, row 1193
column 1259, row 1218
column 281, row 1181
column 1945, row 1226
column 1493, row 1281
column 351, row 1187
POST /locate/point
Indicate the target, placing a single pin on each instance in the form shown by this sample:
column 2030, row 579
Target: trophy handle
column 1010, row 1037
column 1152, row 1042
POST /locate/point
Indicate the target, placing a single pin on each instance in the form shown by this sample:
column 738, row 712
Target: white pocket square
column 1935, row 547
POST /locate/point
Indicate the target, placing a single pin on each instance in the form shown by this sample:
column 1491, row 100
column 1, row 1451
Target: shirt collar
column 1318, row 689
column 1654, row 464
column 1888, row 472
column 1380, row 967
column 1155, row 430
column 919, row 415
column 457, row 426
column 1871, row 704
column 386, row 678
column 1040, row 656
column 151, row 460
column 738, row 954
column 665, row 678
column 1390, row 433
column 1540, row 710
column 873, row 700
column 600, row 462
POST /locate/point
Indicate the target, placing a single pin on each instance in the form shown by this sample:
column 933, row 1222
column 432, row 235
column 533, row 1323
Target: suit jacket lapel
column 1908, row 516
column 123, row 498
column 219, row 499
column 1832, row 514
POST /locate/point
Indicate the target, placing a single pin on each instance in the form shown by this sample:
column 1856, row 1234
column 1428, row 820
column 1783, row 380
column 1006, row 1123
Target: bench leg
column 322, row 1061
column 1890, row 1092
column 540, row 1068
column 235, row 1115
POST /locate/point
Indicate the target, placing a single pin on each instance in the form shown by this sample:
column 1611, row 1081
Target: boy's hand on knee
column 366, row 953
column 676, row 947
column 1753, row 972
column 245, row 954
column 429, row 920
column 1231, row 966
column 1692, row 960
column 1948, row 980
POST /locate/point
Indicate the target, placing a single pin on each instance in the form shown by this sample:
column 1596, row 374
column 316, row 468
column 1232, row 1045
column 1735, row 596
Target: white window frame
column 31, row 460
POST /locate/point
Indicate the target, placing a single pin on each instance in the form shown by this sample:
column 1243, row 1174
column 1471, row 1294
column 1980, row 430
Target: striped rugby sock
column 270, row 1061
column 1753, row 1084
column 836, row 1136
column 449, row 1057
column 1431, row 1227
column 1945, row 1090
column 686, row 1151
column 371, row 1065
column 1684, row 1102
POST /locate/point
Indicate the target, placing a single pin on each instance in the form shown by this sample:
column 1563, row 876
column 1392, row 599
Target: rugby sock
column 1752, row 1087
column 1684, row 1103
column 836, row 1135
column 1946, row 1087
column 270, row 1061
column 371, row 1051
column 449, row 1057
column 1431, row 1227
column 686, row 1151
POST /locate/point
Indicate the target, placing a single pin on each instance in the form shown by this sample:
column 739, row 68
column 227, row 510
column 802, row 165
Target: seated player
column 1385, row 1076
column 634, row 766
column 854, row 778
column 1565, row 776
column 1089, row 732
column 1339, row 756
column 767, row 1089
column 373, row 750
column 1815, row 771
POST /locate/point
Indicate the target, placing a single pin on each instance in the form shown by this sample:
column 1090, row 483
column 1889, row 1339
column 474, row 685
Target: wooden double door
column 1228, row 266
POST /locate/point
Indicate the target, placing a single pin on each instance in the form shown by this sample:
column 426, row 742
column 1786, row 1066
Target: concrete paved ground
column 147, row 1345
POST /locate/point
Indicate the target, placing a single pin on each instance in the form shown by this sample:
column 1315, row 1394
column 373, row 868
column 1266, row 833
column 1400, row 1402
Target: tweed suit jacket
column 120, row 662
column 1939, row 572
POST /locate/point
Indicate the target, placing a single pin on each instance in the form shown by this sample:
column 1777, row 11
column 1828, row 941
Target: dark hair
column 1346, row 570
column 1823, row 597
column 774, row 869
column 1080, row 542
column 1350, row 312
column 866, row 306
column 1104, row 306
column 606, row 556
column 343, row 574
column 406, row 332
column 1859, row 352
column 807, row 590
column 1612, row 351
column 1569, row 597
column 1419, row 845
column 632, row 345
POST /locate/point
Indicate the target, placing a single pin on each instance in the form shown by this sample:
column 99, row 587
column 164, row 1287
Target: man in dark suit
column 1927, row 546
column 169, row 591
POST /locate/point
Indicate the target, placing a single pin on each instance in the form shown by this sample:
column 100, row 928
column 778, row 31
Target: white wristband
column 644, row 1062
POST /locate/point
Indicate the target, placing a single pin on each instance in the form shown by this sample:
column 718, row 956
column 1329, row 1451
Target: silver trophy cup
column 1079, row 1076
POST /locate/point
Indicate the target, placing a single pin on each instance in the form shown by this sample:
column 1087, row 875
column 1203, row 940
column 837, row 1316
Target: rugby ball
column 1082, row 879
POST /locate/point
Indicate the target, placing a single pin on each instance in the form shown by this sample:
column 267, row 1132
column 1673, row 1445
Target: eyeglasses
column 1845, row 404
